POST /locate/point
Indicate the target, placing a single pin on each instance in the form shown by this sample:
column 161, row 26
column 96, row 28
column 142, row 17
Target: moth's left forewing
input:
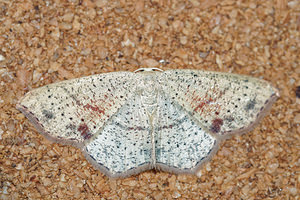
column 72, row 111
column 223, row 103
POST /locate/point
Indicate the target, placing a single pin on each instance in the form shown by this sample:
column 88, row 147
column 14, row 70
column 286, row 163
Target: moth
column 129, row 122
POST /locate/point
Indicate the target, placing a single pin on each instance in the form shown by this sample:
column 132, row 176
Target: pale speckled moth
column 128, row 122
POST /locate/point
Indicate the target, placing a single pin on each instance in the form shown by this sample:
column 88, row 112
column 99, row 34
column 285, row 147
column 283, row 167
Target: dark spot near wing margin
column 48, row 114
column 216, row 125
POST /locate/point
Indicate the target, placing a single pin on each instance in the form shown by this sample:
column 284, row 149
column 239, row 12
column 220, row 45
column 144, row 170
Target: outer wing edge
column 163, row 167
column 125, row 174
column 29, row 115
column 266, row 110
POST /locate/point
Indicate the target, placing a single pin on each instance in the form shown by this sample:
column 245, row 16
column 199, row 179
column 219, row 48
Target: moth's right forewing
column 223, row 103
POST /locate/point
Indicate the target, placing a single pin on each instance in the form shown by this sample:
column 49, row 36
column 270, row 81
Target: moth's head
column 142, row 70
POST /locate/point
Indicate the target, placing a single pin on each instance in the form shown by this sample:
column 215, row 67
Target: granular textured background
column 43, row 42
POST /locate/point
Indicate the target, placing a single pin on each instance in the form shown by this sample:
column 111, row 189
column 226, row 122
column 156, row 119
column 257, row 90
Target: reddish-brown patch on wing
column 216, row 125
column 84, row 131
column 206, row 104
column 202, row 103
column 99, row 106
column 95, row 108
column 168, row 127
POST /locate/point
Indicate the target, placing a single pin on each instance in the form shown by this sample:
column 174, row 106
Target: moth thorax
column 149, row 92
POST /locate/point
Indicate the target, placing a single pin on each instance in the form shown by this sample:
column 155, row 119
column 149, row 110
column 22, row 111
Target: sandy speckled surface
column 43, row 42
